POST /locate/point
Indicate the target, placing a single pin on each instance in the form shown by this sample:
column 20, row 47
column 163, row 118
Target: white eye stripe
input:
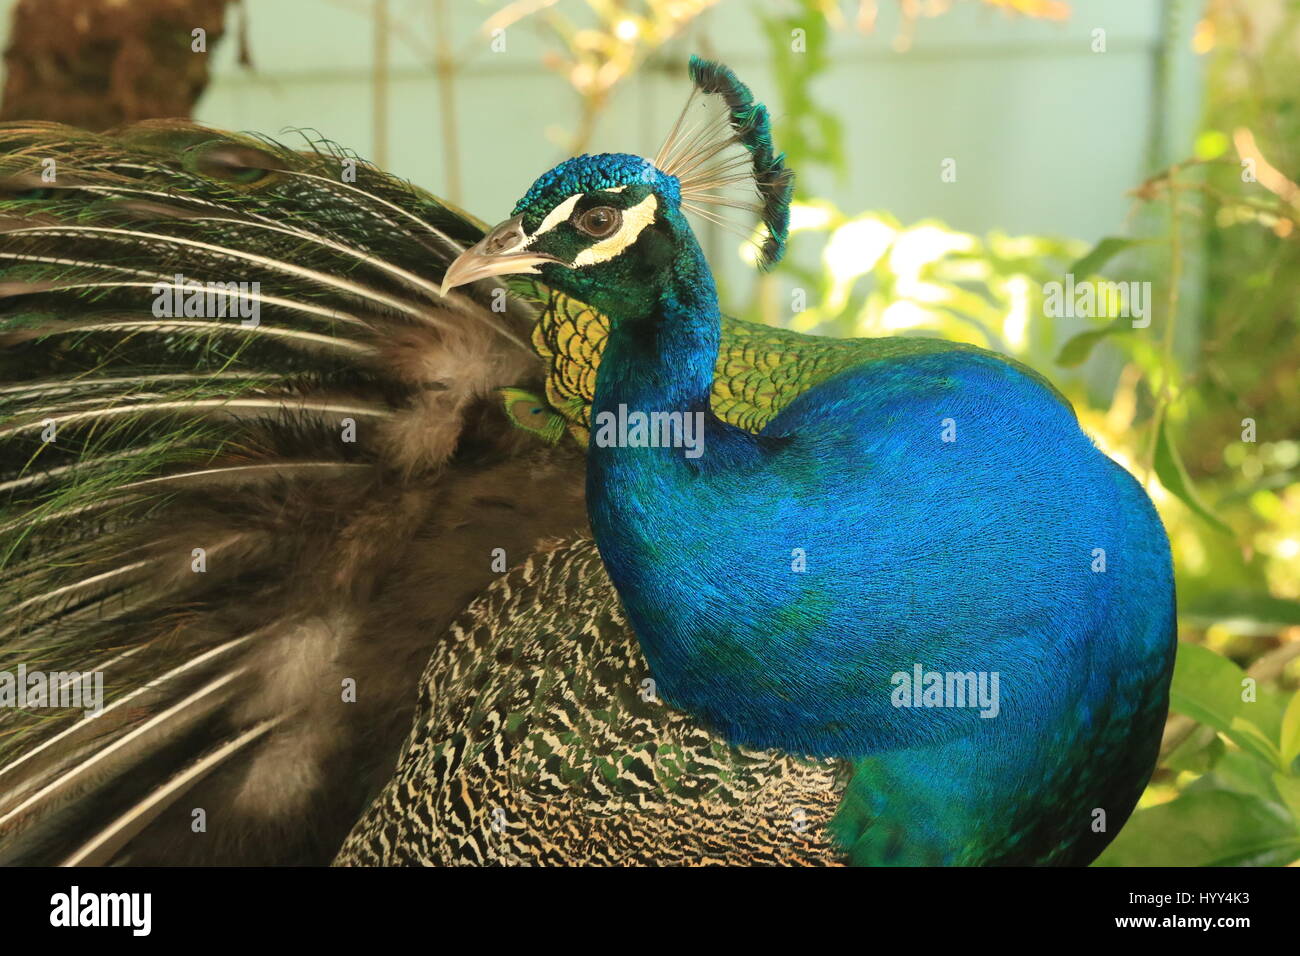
column 556, row 216
column 635, row 219
column 562, row 212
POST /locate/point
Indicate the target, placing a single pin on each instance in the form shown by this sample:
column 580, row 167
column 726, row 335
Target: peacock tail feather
column 221, row 515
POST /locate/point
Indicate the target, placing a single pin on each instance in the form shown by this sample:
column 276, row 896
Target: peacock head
column 593, row 227
column 605, row 228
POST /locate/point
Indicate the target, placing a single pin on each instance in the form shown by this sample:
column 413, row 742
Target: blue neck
column 660, row 357
column 646, row 504
column 661, row 352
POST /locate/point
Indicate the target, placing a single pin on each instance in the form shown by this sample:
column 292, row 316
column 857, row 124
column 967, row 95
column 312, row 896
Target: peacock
column 336, row 488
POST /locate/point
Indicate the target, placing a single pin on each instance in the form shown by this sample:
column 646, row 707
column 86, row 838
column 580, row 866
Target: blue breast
column 941, row 510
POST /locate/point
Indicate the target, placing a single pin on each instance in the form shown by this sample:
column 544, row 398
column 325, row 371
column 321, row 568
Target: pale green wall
column 1047, row 134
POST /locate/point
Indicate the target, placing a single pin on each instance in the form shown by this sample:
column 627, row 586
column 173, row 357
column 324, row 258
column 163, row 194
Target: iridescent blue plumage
column 585, row 174
column 952, row 515
column 929, row 513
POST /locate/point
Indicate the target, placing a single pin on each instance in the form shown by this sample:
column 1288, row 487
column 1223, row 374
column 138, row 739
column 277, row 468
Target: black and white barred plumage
column 539, row 740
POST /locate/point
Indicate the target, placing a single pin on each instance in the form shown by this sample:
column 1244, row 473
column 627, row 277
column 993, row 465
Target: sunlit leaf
column 1173, row 475
column 1198, row 753
column 1260, row 609
column 1095, row 258
column 1290, row 748
column 1249, row 737
column 1077, row 349
column 1206, row 828
column 1289, row 789
column 1211, row 144
column 1206, row 686
column 1241, row 772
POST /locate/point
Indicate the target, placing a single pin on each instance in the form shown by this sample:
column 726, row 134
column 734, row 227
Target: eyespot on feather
column 234, row 163
column 531, row 413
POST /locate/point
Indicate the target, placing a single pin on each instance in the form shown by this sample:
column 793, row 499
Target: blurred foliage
column 605, row 46
column 1229, row 791
column 809, row 132
column 1203, row 405
column 599, row 43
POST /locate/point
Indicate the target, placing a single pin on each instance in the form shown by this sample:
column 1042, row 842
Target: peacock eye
column 600, row 221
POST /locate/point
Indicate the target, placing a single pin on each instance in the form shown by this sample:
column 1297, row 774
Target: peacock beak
column 503, row 251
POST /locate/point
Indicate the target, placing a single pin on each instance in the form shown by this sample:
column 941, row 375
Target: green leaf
column 1205, row 828
column 1173, row 475
column 1206, row 687
column 1198, row 754
column 1289, row 789
column 1255, row 608
column 1290, row 748
column 1250, row 738
column 1100, row 254
column 1239, row 772
column 809, row 132
column 1078, row 347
